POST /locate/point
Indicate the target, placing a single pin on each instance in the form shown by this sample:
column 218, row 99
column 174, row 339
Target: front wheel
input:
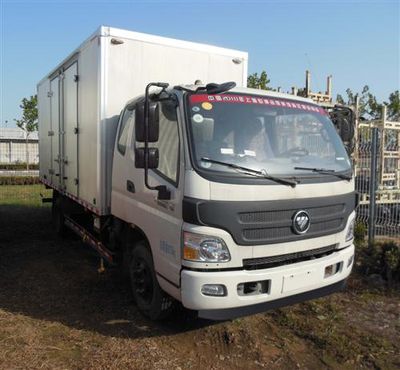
column 151, row 300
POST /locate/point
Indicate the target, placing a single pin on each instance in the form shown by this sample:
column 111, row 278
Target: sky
column 358, row 42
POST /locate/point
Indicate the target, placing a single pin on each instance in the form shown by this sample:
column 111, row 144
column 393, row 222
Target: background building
column 13, row 146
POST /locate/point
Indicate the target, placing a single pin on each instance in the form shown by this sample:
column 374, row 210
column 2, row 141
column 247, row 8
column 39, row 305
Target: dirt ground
column 58, row 312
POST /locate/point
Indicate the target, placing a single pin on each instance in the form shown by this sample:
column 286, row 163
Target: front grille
column 273, row 232
column 286, row 259
column 274, row 216
column 269, row 222
column 276, row 225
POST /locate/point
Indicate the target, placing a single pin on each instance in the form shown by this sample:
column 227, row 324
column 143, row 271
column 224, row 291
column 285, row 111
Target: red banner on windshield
column 256, row 100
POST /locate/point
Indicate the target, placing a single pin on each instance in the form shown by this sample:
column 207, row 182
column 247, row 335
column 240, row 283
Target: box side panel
column 133, row 64
column 88, row 122
column 45, row 150
column 223, row 68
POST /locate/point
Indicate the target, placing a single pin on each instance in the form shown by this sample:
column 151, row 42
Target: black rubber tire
column 58, row 218
column 150, row 299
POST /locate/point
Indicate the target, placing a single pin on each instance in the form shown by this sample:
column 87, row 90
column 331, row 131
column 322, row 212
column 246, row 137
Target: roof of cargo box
column 105, row 31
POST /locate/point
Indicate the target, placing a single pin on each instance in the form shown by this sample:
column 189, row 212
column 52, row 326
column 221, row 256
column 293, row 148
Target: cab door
column 160, row 220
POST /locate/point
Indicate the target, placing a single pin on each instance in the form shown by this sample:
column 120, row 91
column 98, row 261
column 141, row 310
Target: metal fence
column 377, row 167
column 19, row 155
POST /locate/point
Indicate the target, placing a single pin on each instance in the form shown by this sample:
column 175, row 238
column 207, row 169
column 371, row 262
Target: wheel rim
column 142, row 281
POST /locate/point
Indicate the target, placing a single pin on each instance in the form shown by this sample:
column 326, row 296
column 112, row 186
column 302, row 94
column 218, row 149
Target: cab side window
column 168, row 143
column 128, row 119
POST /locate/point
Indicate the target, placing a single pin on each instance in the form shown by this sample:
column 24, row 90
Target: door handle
column 130, row 186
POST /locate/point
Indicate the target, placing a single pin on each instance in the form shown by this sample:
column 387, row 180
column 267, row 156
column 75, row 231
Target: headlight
column 204, row 248
column 350, row 231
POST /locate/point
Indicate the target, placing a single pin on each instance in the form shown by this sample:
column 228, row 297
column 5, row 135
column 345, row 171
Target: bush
column 18, row 166
column 383, row 258
column 391, row 261
column 360, row 232
column 19, row 180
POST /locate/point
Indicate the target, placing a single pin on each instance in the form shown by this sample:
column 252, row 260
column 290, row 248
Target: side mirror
column 147, row 122
column 154, row 119
column 344, row 120
column 140, row 155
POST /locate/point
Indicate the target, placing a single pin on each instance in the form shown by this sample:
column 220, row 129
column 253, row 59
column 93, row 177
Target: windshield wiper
column 325, row 171
column 250, row 171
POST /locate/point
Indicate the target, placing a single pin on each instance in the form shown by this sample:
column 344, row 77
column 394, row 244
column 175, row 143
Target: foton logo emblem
column 301, row 222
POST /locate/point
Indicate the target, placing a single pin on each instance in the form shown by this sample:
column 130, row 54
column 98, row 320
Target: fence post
column 372, row 188
column 356, row 154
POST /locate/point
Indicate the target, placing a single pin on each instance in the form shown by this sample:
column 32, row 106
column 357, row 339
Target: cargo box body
column 80, row 101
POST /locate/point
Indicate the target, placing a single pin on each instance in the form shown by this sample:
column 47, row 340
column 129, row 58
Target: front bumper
column 284, row 282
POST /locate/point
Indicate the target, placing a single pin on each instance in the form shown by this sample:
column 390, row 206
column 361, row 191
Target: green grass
column 25, row 195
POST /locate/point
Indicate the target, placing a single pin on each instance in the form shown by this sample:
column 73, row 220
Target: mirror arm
column 146, row 135
column 163, row 192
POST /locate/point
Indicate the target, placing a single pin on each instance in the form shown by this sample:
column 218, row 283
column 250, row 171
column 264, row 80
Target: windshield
column 273, row 135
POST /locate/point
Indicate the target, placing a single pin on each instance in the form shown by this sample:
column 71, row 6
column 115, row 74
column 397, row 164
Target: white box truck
column 227, row 199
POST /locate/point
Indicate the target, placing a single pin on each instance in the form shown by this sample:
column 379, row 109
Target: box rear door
column 45, row 132
column 54, row 132
column 70, row 129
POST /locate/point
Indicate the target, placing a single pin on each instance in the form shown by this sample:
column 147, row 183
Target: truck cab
column 231, row 200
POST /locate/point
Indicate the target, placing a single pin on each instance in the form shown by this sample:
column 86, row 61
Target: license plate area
column 292, row 282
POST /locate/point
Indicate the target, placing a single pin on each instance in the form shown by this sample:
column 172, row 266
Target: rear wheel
column 151, row 300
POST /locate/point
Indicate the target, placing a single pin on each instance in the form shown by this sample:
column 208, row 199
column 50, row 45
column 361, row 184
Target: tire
column 150, row 299
column 58, row 217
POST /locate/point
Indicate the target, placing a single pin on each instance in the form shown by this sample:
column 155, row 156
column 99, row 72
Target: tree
column 369, row 107
column 393, row 106
column 29, row 121
column 258, row 82
column 368, row 104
